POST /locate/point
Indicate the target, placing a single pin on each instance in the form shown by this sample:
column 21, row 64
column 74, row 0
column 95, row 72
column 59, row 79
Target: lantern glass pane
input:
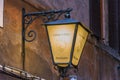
column 79, row 44
column 63, row 65
column 61, row 37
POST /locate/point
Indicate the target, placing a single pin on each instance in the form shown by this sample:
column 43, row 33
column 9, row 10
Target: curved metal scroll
column 31, row 33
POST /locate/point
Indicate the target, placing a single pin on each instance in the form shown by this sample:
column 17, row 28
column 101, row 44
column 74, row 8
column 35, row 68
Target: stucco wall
column 95, row 64
column 10, row 42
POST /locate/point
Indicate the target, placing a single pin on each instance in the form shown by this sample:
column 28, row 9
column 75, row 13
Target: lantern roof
column 67, row 21
column 64, row 21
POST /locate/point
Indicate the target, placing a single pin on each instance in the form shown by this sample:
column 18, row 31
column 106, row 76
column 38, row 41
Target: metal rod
column 23, row 39
column 48, row 12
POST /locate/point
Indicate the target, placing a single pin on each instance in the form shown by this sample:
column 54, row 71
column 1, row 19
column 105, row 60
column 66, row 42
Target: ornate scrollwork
column 31, row 34
column 46, row 17
column 28, row 19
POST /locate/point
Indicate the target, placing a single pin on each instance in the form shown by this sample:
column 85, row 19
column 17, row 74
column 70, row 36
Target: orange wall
column 95, row 63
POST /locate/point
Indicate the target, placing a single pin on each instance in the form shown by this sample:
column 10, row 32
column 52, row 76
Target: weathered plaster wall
column 10, row 43
column 95, row 64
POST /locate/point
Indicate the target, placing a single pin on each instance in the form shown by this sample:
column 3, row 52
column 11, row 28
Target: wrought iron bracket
column 28, row 18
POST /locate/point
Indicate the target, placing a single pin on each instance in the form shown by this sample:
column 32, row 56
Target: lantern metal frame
column 72, row 49
column 65, row 22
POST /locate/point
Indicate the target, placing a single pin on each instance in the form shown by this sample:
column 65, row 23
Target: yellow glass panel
column 61, row 37
column 63, row 65
column 79, row 44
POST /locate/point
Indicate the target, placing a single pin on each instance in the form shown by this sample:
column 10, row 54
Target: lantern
column 67, row 39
